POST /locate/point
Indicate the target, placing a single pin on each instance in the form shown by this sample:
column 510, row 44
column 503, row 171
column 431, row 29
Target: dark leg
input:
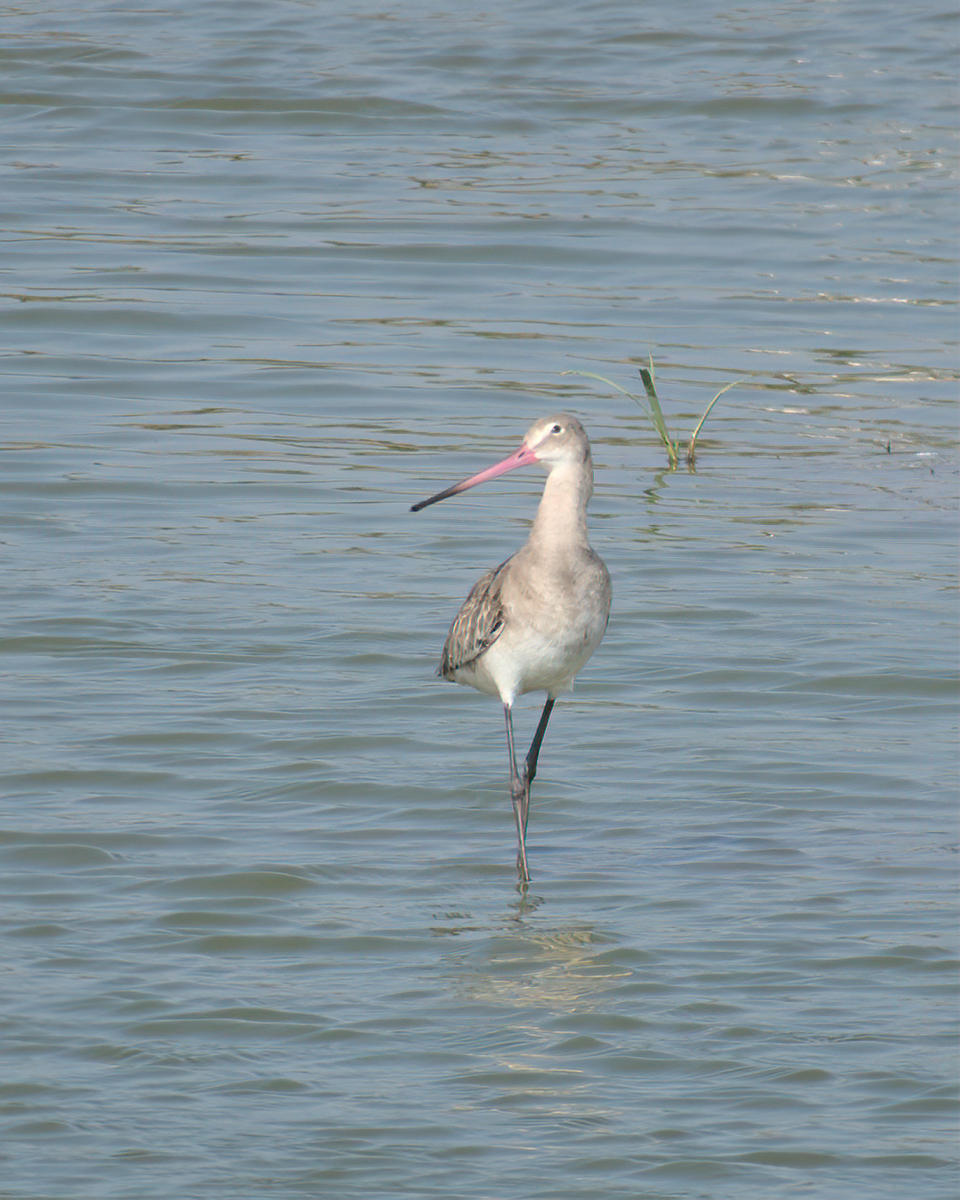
column 533, row 754
column 520, row 794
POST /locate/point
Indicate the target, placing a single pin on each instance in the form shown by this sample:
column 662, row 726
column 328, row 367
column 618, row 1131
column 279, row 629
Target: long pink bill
column 520, row 458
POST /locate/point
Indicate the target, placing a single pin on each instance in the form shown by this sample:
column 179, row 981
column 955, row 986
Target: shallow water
column 272, row 274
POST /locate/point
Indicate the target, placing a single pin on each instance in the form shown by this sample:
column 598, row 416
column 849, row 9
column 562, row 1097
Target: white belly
column 537, row 652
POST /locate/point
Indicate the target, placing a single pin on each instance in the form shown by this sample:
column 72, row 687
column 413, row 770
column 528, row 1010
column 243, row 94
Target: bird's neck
column 560, row 526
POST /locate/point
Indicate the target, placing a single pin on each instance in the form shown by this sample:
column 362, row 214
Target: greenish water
column 274, row 273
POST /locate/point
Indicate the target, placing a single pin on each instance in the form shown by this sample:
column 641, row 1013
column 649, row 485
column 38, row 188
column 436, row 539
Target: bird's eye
column 557, row 429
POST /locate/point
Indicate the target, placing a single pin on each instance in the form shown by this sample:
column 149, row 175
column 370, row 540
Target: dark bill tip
column 450, row 491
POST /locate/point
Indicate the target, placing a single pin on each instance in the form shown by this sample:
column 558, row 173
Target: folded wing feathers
column 477, row 625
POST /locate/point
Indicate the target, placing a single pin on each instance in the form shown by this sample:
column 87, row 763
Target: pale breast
column 553, row 621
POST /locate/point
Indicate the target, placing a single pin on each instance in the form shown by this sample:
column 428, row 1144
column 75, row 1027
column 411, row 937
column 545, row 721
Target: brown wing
column 477, row 625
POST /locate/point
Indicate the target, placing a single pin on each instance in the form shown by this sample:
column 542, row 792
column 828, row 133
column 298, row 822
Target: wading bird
column 532, row 623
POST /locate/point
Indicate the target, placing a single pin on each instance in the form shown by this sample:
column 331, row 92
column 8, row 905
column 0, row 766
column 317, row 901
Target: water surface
column 275, row 271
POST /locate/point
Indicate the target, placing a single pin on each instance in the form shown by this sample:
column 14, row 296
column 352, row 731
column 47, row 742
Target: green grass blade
column 603, row 379
column 692, row 444
column 656, row 414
